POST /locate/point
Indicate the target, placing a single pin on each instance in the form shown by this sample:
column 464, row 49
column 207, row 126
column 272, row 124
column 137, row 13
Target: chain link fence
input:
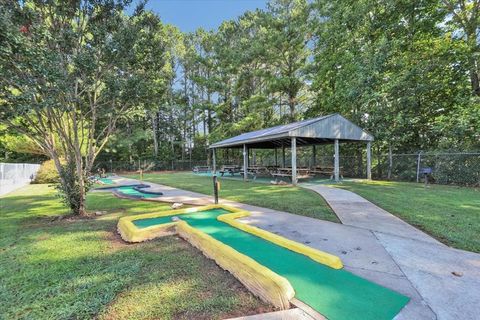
column 147, row 165
column 446, row 168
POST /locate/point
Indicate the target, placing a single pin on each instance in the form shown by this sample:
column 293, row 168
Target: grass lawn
column 451, row 214
column 284, row 198
column 80, row 269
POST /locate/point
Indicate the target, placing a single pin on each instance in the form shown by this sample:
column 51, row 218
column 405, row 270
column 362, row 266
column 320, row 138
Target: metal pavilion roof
column 319, row 130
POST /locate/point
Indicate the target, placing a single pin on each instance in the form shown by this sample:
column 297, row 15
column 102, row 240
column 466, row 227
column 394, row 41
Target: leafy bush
column 70, row 191
column 47, row 173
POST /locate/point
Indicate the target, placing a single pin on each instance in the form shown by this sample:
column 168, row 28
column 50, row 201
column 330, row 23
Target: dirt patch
column 249, row 312
column 114, row 239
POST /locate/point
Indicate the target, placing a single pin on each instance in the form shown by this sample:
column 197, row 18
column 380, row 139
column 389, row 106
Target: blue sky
column 189, row 15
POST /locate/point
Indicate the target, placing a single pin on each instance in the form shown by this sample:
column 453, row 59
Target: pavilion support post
column 314, row 156
column 336, row 167
column 283, row 156
column 276, row 160
column 369, row 160
column 245, row 162
column 214, row 161
column 294, row 161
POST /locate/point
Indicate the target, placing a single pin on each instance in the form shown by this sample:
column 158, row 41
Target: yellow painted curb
column 317, row 255
column 260, row 280
column 130, row 233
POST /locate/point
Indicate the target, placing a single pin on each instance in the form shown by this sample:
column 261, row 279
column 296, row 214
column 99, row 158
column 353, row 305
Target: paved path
column 377, row 246
column 354, row 210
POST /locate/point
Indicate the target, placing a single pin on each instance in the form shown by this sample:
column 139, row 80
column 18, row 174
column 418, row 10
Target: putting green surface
column 130, row 191
column 106, row 180
column 337, row 294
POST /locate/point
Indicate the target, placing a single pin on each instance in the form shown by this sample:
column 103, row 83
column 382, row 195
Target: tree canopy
column 86, row 81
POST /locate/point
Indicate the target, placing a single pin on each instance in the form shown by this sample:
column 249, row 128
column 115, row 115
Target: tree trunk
column 474, row 81
column 471, row 32
column 379, row 167
column 155, row 130
column 82, row 210
column 81, row 183
column 291, row 106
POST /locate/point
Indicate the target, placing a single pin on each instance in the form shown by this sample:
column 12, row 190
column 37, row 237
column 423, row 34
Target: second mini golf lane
column 132, row 192
column 337, row 294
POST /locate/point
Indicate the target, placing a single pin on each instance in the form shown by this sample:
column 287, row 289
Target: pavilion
column 322, row 130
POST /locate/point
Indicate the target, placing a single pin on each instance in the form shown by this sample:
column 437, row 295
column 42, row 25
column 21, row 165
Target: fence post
column 215, row 188
column 336, row 161
column 214, row 160
column 245, row 162
column 390, row 162
column 369, row 160
column 419, row 159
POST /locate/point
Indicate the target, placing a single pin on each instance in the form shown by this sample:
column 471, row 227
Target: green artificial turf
column 132, row 192
column 336, row 294
column 284, row 198
column 53, row 268
column 449, row 213
column 106, row 180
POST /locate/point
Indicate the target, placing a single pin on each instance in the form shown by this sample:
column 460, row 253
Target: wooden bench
column 230, row 170
column 302, row 173
column 256, row 171
column 198, row 169
column 328, row 171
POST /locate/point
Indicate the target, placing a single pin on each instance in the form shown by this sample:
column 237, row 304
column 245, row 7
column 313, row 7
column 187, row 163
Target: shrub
column 47, row 173
column 70, row 191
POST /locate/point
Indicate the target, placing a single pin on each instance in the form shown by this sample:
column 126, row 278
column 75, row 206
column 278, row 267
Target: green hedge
column 47, row 173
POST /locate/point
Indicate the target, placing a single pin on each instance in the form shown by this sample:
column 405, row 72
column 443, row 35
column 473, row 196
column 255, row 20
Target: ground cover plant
column 79, row 268
column 450, row 214
column 284, row 198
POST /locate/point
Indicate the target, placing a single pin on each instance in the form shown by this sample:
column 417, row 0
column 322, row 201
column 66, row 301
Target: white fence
column 16, row 175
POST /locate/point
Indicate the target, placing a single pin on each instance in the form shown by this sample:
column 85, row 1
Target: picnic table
column 230, row 170
column 256, row 171
column 198, row 169
column 302, row 173
column 325, row 170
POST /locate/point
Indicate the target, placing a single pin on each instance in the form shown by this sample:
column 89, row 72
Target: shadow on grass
column 81, row 269
column 283, row 198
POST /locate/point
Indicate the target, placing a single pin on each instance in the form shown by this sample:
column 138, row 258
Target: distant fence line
column 461, row 168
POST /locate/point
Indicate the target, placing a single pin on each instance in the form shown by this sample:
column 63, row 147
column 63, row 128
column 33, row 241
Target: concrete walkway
column 375, row 245
column 354, row 210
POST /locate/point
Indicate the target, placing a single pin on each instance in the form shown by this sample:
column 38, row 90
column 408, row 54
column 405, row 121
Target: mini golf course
column 335, row 293
column 135, row 191
column 106, row 180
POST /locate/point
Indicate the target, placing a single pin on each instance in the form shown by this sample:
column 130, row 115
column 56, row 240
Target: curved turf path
column 337, row 294
column 131, row 192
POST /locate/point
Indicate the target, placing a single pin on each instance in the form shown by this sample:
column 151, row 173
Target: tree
column 286, row 50
column 66, row 77
column 463, row 18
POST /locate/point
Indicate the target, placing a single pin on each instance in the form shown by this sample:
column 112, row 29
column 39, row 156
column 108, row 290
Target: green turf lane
column 130, row 191
column 337, row 294
column 106, row 180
